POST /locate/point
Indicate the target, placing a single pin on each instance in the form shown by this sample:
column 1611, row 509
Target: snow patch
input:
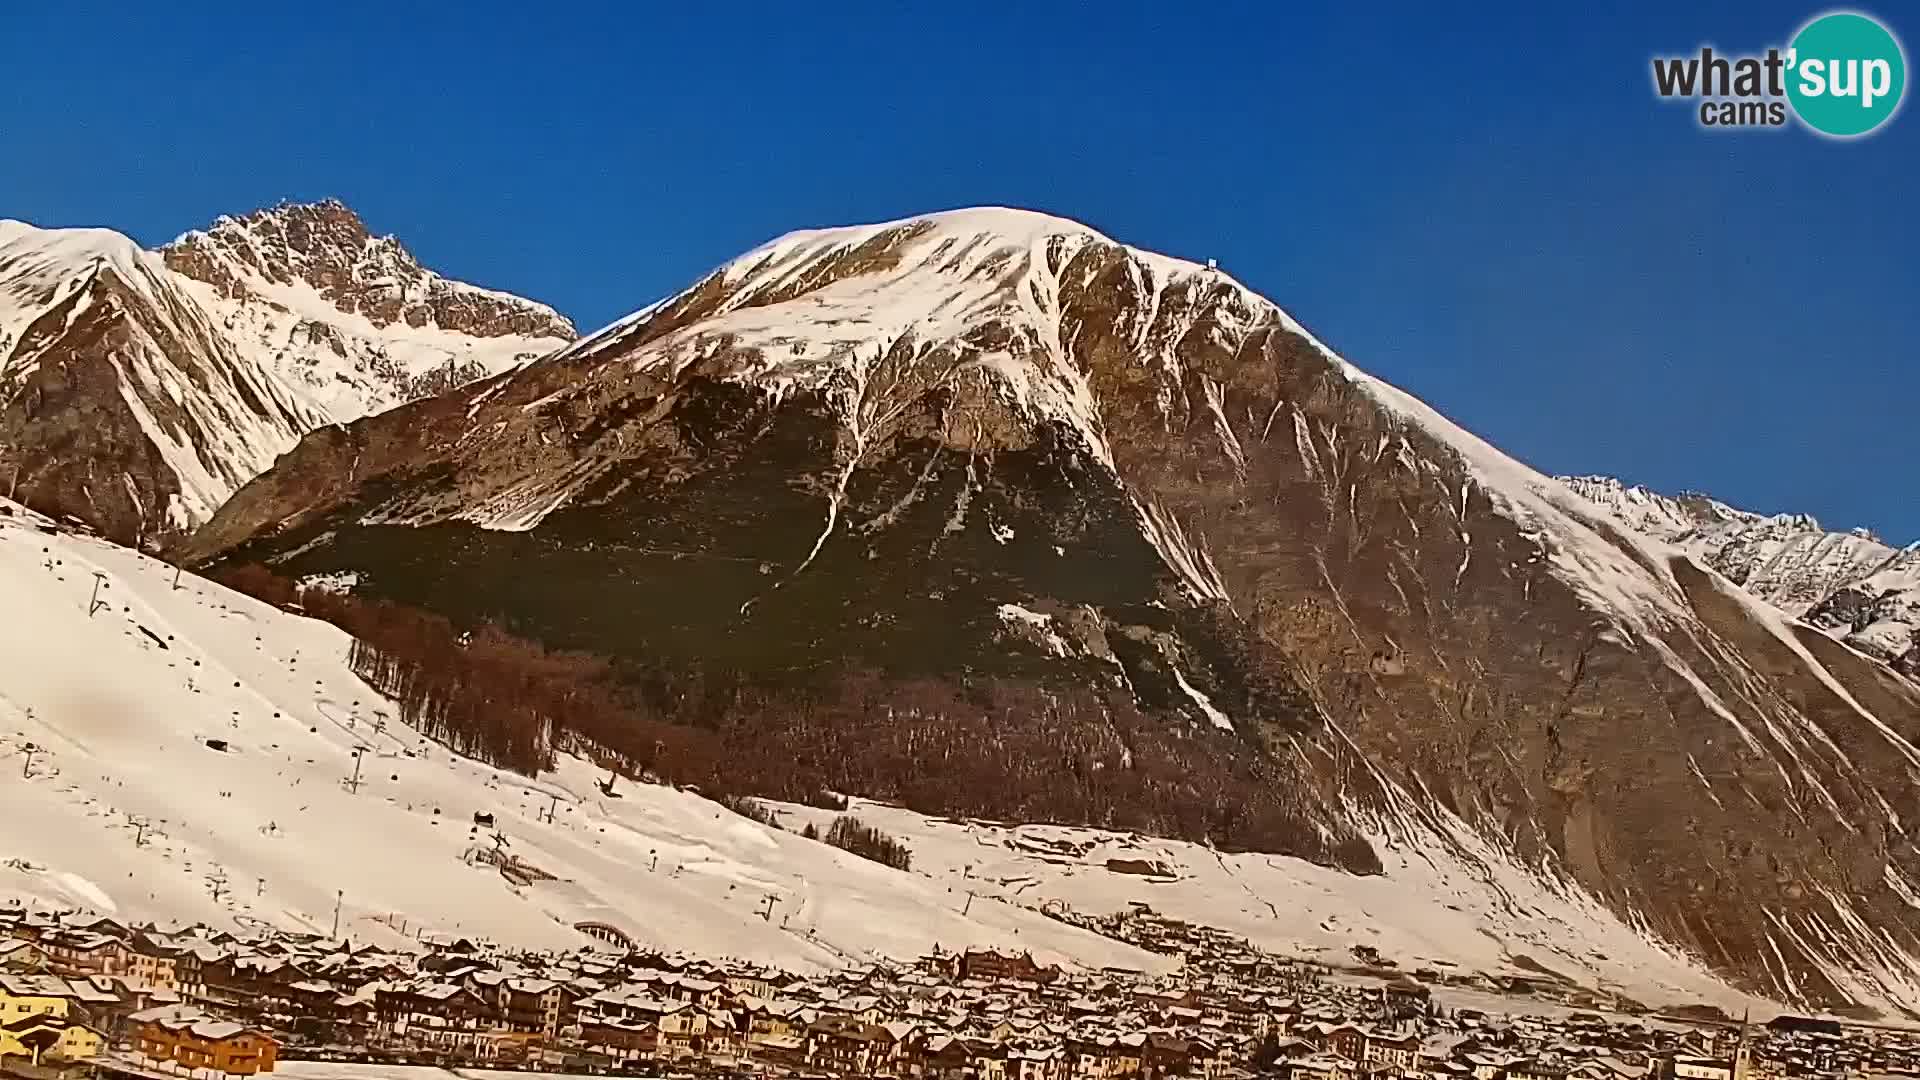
column 1213, row 715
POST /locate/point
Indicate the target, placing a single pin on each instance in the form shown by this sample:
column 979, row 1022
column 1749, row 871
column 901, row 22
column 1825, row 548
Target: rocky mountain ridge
column 326, row 247
column 990, row 448
column 1851, row 585
column 139, row 389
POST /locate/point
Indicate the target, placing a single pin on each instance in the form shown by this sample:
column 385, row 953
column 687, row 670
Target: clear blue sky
column 1491, row 211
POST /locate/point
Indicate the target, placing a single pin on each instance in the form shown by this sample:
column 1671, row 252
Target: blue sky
column 1491, row 211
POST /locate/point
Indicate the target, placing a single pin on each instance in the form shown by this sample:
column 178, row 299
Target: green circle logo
column 1846, row 74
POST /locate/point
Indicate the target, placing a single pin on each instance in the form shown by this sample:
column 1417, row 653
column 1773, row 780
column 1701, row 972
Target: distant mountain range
column 997, row 516
column 1848, row 584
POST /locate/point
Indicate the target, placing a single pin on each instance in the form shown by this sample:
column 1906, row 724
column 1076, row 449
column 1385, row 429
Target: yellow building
column 22, row 996
column 41, row 1037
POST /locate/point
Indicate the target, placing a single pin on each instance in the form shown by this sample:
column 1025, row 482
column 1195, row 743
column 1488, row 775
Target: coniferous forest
column 999, row 749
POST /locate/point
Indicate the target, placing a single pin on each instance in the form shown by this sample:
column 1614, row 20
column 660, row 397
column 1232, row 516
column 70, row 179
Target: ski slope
column 121, row 705
column 1452, row 904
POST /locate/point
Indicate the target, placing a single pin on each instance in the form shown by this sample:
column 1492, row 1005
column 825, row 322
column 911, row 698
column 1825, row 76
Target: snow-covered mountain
column 1849, row 584
column 1260, row 598
column 139, row 389
column 211, row 779
column 352, row 318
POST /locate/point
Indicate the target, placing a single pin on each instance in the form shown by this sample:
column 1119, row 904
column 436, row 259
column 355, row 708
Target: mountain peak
column 1013, row 224
column 956, row 233
column 192, row 367
column 327, row 207
column 320, row 243
column 324, row 229
column 328, row 248
column 305, row 224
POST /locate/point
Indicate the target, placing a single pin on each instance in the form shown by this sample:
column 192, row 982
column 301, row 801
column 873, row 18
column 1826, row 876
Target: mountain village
column 86, row 995
column 958, row 542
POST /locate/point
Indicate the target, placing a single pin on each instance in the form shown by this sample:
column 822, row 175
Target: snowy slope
column 1788, row 560
column 351, row 320
column 1849, row 584
column 1667, row 517
column 979, row 295
column 96, row 325
column 1429, row 908
column 1880, row 612
column 139, row 389
column 40, row 267
column 826, row 310
column 272, row 816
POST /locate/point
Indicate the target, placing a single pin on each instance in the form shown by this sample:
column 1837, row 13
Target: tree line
column 852, row 834
column 996, row 749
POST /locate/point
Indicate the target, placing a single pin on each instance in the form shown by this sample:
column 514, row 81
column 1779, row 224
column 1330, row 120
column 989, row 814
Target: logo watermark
column 1844, row 74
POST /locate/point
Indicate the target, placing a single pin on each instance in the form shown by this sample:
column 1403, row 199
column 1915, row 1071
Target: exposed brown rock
column 327, row 246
